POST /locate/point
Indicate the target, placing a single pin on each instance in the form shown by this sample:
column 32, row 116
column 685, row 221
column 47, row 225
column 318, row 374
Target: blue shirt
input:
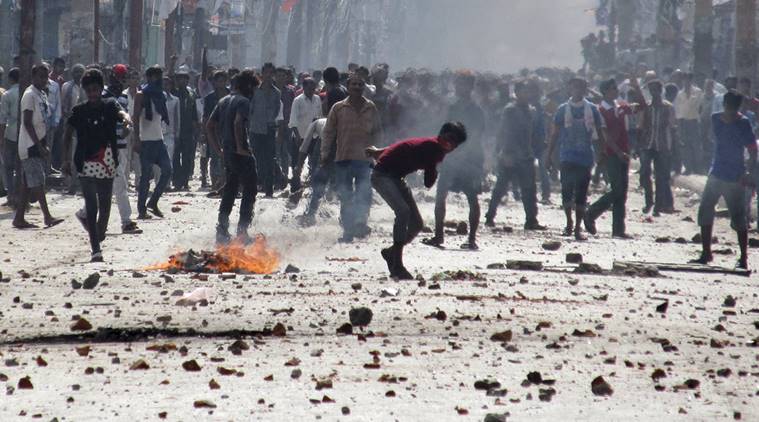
column 730, row 139
column 576, row 142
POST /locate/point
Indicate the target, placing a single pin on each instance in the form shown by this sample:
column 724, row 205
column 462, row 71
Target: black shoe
column 470, row 245
column 96, row 257
column 346, row 238
column 144, row 216
column 742, row 264
column 534, row 226
column 622, row 236
column 403, row 274
column 647, row 209
column 436, row 242
column 387, row 255
column 154, row 209
column 590, row 225
column 489, row 222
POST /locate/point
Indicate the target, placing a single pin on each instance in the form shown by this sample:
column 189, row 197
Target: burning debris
column 236, row 257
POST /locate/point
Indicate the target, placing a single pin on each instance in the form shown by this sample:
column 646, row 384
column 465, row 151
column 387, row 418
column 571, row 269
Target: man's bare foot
column 704, row 259
column 22, row 225
column 52, row 222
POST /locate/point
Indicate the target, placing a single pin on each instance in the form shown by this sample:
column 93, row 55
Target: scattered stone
column 552, row 245
column 496, row 266
column 76, row 285
column 140, row 365
column 658, row 374
column 525, row 265
column 81, row 325
column 492, row 417
column 91, row 281
column 486, row 384
column 600, row 387
column 462, row 229
column 439, row 315
column 279, row 330
column 586, row 268
column 292, row 269
column 346, row 329
column 662, row 307
column 237, row 347
column 360, row 317
column 203, row 404
column 356, row 286
column 323, row 384
column 574, row 258
column 345, row 410
column 729, row 302
column 296, row 373
column 213, row 385
column 389, row 292
column 503, row 336
column 40, row 361
column 25, row 384
column 191, row 366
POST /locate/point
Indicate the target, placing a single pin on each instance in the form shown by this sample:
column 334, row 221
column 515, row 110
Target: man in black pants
column 230, row 118
column 517, row 141
column 462, row 172
column 394, row 163
column 96, row 155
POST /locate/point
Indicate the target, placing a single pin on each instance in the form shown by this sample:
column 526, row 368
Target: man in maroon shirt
column 393, row 164
column 616, row 155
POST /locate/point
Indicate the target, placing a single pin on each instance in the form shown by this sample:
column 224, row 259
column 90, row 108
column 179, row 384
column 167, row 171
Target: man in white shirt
column 9, row 136
column 307, row 107
column 171, row 128
column 688, row 112
column 32, row 148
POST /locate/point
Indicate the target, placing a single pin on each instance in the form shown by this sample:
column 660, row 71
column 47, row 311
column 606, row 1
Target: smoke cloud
column 497, row 35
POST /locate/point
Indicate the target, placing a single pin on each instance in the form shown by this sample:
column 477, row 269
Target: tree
column 745, row 42
column 295, row 35
column 703, row 40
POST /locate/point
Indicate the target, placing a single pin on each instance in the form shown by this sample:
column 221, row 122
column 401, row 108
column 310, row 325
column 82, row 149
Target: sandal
column 435, row 242
column 24, row 225
column 471, row 245
column 568, row 231
column 54, row 222
column 97, row 257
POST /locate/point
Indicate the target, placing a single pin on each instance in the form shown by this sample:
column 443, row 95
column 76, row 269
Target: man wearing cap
column 115, row 88
column 189, row 127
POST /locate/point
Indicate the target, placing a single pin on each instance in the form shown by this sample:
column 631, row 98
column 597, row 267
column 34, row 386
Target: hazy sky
column 500, row 35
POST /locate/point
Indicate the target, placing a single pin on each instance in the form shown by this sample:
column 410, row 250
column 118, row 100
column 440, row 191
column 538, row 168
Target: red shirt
column 616, row 124
column 406, row 157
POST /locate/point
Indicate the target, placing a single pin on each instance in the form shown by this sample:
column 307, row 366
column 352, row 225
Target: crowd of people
column 361, row 129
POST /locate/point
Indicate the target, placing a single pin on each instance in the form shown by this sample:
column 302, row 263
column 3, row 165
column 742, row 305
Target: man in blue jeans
column 149, row 111
column 728, row 176
column 352, row 126
column 575, row 124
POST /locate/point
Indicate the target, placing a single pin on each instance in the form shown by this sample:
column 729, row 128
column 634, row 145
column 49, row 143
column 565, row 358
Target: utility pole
column 168, row 42
column 96, row 32
column 135, row 34
column 26, row 45
column 703, row 40
column 745, row 42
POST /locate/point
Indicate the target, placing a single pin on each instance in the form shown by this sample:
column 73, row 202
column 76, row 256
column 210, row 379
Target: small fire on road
column 235, row 257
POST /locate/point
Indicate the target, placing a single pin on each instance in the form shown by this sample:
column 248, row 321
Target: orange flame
column 235, row 257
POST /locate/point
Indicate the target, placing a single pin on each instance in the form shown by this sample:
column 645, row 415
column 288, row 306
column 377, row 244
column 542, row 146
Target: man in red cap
column 115, row 89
